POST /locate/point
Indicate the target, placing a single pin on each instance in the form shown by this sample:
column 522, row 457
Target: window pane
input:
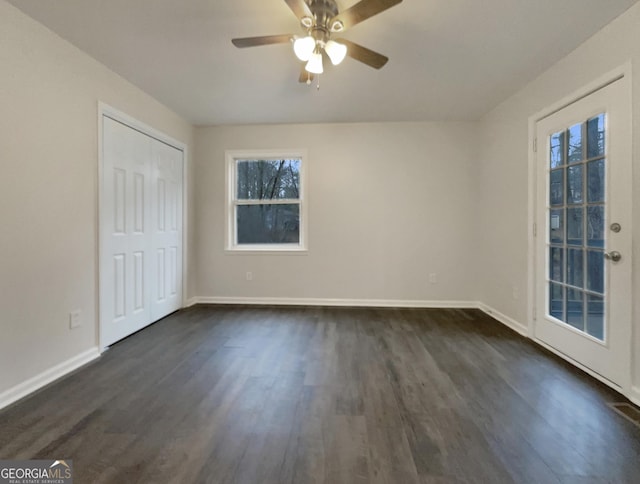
column 268, row 180
column 556, row 196
column 575, row 269
column 575, row 143
column 556, row 301
column 557, row 150
column 574, row 184
column 595, row 271
column 556, row 264
column 556, row 226
column 595, row 226
column 575, row 309
column 575, row 226
column 595, row 136
column 595, row 181
column 595, row 317
column 268, row 224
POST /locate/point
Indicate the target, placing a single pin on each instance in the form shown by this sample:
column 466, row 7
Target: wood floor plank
column 233, row 394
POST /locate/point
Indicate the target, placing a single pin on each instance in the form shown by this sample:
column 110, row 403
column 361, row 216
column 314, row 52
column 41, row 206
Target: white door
column 141, row 193
column 166, row 292
column 583, row 248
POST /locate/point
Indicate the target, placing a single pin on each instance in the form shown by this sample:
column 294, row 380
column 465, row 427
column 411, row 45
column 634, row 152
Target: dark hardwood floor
column 311, row 395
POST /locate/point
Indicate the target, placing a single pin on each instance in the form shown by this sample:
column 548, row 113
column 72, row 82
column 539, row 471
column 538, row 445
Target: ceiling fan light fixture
column 336, row 51
column 337, row 26
column 307, row 22
column 315, row 64
column 304, row 48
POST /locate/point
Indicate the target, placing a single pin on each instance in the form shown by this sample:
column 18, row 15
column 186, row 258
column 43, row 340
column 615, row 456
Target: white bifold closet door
column 140, row 231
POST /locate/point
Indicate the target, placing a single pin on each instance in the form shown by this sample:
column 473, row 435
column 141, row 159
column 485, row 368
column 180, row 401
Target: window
column 266, row 210
column 577, row 226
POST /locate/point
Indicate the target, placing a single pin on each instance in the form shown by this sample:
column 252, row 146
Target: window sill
column 261, row 250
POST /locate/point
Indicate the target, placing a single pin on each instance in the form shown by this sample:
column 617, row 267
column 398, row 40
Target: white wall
column 503, row 176
column 388, row 205
column 49, row 92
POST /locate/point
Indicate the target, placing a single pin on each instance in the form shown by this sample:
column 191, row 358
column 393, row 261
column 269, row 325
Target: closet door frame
column 105, row 110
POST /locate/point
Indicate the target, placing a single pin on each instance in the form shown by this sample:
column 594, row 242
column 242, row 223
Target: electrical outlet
column 249, row 276
column 433, row 278
column 74, row 319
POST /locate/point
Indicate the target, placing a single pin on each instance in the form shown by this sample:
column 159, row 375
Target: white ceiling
column 450, row 59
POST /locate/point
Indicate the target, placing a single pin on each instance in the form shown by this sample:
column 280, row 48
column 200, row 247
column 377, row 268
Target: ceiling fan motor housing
column 323, row 12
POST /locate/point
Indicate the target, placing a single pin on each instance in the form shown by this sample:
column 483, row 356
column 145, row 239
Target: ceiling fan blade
column 305, row 76
column 299, row 8
column 263, row 40
column 364, row 55
column 363, row 10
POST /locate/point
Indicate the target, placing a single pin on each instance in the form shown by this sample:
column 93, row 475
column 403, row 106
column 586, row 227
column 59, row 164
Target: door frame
column 121, row 117
column 619, row 74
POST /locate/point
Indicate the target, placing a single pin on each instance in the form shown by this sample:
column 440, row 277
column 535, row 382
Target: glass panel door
column 583, row 290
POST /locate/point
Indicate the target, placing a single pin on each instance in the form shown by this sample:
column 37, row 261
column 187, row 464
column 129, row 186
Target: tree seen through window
column 267, row 202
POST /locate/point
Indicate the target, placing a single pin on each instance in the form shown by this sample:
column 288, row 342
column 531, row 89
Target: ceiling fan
column 321, row 19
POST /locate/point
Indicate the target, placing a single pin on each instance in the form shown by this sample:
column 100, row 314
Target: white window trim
column 231, row 245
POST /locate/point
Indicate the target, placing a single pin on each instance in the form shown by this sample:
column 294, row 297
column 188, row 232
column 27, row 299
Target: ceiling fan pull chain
column 318, row 87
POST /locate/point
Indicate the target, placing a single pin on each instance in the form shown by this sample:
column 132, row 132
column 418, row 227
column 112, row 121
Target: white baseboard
column 504, row 319
column 372, row 303
column 31, row 385
column 634, row 395
column 192, row 301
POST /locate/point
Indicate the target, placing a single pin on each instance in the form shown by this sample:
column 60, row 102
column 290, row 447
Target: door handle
column 613, row 256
